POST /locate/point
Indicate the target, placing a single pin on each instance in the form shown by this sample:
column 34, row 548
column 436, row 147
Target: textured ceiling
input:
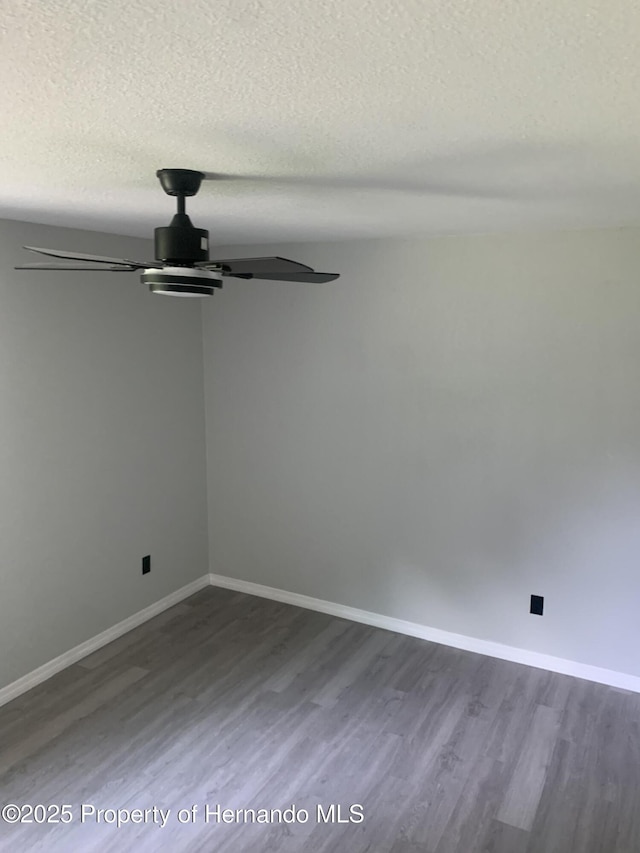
column 354, row 117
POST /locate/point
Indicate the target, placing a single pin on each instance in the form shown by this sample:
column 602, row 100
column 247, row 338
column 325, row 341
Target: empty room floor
column 386, row 743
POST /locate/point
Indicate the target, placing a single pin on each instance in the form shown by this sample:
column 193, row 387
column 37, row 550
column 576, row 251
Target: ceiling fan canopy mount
column 180, row 182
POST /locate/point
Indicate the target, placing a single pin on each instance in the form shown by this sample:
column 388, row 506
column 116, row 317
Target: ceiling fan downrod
column 181, row 243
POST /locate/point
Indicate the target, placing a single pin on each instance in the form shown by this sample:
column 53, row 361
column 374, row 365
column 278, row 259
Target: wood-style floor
column 236, row 701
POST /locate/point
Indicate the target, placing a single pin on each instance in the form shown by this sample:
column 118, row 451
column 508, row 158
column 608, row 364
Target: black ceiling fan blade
column 96, row 259
column 96, row 268
column 311, row 277
column 256, row 266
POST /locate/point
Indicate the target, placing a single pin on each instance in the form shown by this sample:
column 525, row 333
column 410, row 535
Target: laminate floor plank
column 478, row 800
column 234, row 701
column 19, row 750
column 522, row 796
column 502, row 838
column 127, row 640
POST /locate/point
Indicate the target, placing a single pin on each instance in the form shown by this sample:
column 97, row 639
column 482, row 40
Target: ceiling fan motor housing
column 181, row 242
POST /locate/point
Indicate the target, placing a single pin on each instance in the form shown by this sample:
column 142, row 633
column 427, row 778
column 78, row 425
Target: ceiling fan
column 182, row 266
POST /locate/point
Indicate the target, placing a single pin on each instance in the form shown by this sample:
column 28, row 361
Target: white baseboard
column 16, row 688
column 610, row 677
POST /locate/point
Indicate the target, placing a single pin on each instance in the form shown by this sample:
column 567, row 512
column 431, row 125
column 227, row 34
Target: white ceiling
column 399, row 117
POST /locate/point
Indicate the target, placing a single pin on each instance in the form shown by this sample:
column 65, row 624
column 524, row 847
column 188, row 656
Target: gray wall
column 101, row 447
column 450, row 427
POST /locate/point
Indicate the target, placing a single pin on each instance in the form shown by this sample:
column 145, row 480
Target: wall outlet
column 146, row 564
column 537, row 605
